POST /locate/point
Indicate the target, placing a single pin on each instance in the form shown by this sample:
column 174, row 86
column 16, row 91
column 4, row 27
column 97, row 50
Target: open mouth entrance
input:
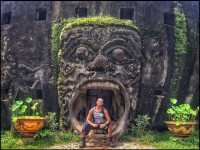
column 91, row 97
column 115, row 101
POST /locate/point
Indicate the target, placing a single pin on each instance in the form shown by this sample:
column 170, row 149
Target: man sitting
column 98, row 117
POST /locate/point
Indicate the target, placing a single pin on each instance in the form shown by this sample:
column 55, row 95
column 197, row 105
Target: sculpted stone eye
column 118, row 54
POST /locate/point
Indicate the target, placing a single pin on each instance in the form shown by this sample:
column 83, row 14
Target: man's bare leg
column 83, row 136
column 85, row 131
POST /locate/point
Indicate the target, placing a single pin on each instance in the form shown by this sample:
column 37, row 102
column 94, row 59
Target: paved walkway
column 121, row 145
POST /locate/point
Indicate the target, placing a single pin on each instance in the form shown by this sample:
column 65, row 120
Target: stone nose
column 99, row 63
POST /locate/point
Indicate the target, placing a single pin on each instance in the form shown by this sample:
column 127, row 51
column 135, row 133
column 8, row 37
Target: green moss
column 66, row 24
column 98, row 20
column 55, row 46
column 180, row 32
column 181, row 47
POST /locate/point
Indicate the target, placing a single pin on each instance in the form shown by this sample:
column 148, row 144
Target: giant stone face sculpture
column 99, row 61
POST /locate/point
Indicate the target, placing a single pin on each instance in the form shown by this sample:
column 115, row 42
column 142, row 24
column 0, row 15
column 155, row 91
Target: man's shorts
column 87, row 127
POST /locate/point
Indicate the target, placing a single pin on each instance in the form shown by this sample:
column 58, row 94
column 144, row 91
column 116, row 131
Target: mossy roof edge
column 97, row 20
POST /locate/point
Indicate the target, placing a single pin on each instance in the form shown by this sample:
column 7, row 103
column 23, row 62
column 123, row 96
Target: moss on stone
column 180, row 31
column 181, row 47
column 98, row 20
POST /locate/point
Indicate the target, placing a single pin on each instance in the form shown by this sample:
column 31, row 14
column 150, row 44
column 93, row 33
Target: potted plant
column 26, row 117
column 181, row 118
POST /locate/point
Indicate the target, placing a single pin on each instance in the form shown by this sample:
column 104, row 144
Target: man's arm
column 89, row 118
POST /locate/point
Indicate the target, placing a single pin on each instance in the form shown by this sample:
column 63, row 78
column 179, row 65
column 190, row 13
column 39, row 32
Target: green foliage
column 141, row 123
column 50, row 129
column 44, row 134
column 181, row 47
column 164, row 140
column 181, row 112
column 66, row 24
column 8, row 140
column 43, row 139
column 55, row 46
column 161, row 140
column 52, row 123
column 69, row 136
column 180, row 32
column 25, row 107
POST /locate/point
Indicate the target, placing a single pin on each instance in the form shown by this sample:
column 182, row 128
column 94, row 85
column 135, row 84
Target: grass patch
column 164, row 140
column 13, row 141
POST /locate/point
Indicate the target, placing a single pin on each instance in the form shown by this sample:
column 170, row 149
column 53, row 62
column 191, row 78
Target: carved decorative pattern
column 91, row 52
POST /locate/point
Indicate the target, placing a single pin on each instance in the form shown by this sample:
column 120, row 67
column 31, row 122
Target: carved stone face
column 104, row 58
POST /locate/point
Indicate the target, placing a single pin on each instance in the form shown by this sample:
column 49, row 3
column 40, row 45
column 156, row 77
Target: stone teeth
column 101, row 85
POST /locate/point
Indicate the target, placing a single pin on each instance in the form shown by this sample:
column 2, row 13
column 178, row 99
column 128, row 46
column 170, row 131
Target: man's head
column 99, row 102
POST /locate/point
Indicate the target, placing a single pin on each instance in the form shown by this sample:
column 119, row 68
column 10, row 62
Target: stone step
column 98, row 136
column 98, row 144
column 97, row 141
column 100, row 131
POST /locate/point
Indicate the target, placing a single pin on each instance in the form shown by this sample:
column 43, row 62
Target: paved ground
column 124, row 145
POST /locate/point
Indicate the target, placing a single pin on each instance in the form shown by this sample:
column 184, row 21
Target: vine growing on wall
column 181, row 48
column 55, row 46
column 180, row 32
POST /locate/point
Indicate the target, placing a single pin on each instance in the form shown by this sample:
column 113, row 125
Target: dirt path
column 121, row 145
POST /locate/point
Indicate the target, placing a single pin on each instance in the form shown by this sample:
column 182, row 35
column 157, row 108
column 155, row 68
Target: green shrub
column 66, row 136
column 142, row 121
column 181, row 112
column 44, row 134
column 52, row 123
column 43, row 139
column 8, row 139
column 23, row 108
column 164, row 140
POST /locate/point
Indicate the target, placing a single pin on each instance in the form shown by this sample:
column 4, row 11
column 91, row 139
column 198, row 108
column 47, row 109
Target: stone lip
column 99, row 83
column 182, row 122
